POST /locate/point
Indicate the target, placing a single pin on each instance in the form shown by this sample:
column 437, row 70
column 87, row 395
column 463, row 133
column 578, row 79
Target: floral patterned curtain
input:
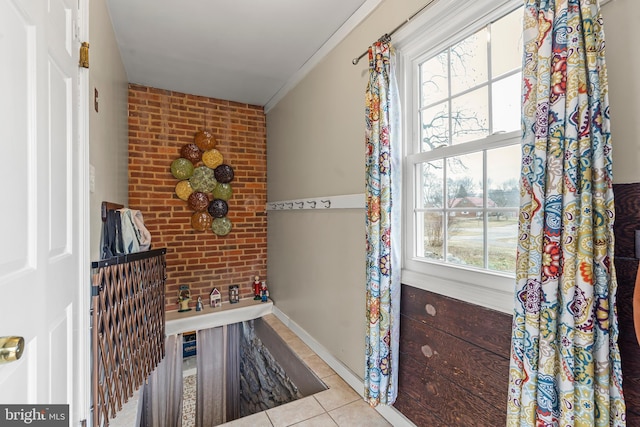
column 383, row 175
column 565, row 363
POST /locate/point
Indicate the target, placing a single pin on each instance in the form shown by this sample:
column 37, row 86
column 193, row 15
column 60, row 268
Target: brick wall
column 160, row 123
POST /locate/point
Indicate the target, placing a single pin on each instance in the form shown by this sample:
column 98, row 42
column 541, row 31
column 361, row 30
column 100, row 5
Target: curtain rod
column 387, row 36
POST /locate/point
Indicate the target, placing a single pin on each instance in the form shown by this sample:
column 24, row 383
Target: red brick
column 160, row 123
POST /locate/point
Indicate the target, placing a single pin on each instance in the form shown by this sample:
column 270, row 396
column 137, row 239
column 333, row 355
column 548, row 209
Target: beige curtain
column 162, row 395
column 233, row 371
column 210, row 377
column 218, row 375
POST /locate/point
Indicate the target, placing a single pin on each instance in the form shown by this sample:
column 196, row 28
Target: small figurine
column 256, row 288
column 234, row 294
column 199, row 304
column 184, row 296
column 215, row 299
column 264, row 292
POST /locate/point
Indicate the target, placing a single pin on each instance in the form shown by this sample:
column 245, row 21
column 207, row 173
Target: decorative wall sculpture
column 204, row 183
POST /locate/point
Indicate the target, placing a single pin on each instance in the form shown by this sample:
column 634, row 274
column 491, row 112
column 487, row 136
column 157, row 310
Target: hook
column 312, row 203
column 289, row 205
column 327, row 203
column 300, row 204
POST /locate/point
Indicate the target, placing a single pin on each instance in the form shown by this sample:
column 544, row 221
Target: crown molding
column 354, row 20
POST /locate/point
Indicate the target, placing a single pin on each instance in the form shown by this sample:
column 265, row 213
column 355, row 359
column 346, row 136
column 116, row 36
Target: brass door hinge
column 84, row 55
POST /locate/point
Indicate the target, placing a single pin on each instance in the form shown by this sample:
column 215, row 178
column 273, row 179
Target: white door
column 43, row 258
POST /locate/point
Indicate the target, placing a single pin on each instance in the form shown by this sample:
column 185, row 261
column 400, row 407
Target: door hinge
column 83, row 423
column 84, row 55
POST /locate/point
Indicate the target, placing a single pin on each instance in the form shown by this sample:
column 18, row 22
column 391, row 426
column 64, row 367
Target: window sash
column 447, row 23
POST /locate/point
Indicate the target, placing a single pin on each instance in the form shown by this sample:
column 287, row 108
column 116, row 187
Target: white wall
column 108, row 145
column 315, row 147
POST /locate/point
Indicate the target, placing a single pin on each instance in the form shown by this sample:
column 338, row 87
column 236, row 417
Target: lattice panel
column 127, row 327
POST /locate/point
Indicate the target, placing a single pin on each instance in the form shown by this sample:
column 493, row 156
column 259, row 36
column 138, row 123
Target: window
column 462, row 151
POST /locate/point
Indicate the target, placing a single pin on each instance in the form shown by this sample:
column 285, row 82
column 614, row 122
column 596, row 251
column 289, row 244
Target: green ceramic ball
column 203, row 180
column 223, row 191
column 221, row 226
column 181, row 168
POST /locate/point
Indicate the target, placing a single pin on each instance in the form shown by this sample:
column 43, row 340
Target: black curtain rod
column 387, row 37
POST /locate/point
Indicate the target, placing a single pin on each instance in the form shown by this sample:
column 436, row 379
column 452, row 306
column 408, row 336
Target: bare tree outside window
column 463, row 101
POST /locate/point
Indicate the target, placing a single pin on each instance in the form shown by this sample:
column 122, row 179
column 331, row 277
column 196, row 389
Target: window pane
column 434, row 79
column 506, row 43
column 469, row 62
column 435, row 127
column 503, row 177
column 464, row 181
column 433, row 234
column 465, row 245
column 501, row 241
column 470, row 116
column 506, row 103
column 432, row 184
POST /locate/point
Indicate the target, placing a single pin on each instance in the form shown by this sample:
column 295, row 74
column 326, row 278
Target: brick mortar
column 160, row 123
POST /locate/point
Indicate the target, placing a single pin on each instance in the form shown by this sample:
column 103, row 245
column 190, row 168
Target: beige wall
column 621, row 18
column 315, row 147
column 108, row 133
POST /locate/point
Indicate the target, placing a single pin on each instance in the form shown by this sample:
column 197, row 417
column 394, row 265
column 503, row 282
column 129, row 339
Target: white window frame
column 443, row 24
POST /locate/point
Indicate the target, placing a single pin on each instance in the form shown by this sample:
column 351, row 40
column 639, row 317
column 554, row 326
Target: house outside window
column 461, row 75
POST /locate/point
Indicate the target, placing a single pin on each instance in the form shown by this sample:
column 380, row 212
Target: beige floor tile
column 294, row 412
column 318, row 366
column 288, row 336
column 300, row 348
column 256, row 420
column 274, row 322
column 323, row 420
column 339, row 393
column 356, row 414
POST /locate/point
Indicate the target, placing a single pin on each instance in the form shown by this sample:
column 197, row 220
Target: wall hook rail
column 345, row 201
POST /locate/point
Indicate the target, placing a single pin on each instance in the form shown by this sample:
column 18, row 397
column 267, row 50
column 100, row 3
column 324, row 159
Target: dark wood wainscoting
column 454, row 361
column 627, row 200
column 454, row 356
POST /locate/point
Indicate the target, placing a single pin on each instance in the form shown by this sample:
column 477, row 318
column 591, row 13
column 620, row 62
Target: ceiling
column 238, row 50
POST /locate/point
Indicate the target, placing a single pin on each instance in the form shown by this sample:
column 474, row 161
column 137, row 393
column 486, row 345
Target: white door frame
column 83, row 333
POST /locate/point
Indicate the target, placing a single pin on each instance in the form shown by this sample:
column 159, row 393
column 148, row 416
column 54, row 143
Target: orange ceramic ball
column 201, row 221
column 205, row 140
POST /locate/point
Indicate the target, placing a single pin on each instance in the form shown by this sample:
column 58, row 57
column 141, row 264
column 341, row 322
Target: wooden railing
column 128, row 327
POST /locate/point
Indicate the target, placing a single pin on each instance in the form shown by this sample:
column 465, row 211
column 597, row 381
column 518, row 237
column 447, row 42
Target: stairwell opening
column 269, row 374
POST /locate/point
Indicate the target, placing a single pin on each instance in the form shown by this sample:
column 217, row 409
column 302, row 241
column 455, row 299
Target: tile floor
column 339, row 406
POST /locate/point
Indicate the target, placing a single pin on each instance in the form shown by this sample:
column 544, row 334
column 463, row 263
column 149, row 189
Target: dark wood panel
column 455, row 406
column 417, row 414
column 480, row 372
column 627, row 205
column 626, row 270
column 481, row 326
column 631, row 388
column 633, row 419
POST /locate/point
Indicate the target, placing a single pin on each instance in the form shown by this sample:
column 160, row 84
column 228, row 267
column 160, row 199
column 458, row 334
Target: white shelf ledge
column 246, row 309
column 345, row 201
